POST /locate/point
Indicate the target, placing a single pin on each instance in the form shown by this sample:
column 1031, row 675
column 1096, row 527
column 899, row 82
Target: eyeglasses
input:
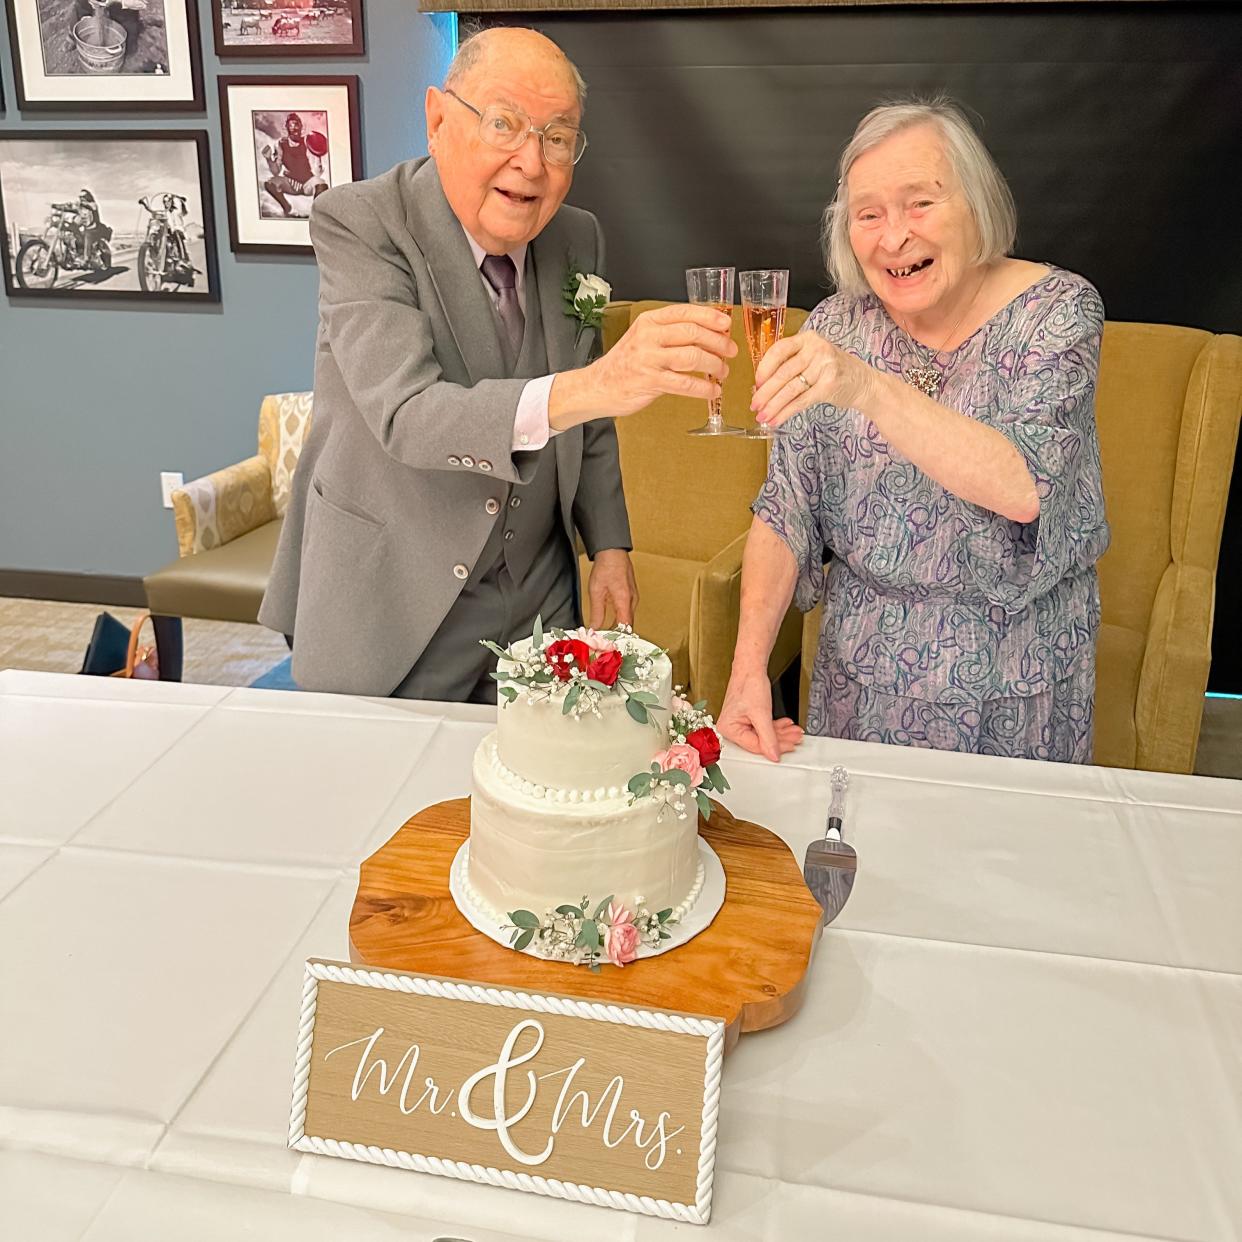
column 508, row 128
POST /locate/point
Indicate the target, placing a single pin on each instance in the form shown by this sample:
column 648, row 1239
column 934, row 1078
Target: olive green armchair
column 1167, row 410
column 228, row 523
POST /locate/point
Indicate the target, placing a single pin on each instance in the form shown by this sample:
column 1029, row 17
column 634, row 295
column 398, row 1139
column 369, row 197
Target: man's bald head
column 504, row 44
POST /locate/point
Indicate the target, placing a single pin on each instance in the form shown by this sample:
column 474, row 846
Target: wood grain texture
column 748, row 968
column 590, row 1075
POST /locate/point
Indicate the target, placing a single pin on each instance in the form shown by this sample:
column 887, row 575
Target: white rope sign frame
column 598, row 1103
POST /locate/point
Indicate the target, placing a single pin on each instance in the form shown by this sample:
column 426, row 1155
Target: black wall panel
column 714, row 138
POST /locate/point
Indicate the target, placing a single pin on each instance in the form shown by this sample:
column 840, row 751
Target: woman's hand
column 746, row 718
column 804, row 370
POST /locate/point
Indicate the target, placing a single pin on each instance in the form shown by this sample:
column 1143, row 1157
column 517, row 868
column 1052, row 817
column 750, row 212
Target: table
column 1026, row 1024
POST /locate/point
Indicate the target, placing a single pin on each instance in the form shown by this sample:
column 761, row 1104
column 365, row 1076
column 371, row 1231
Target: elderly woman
column 940, row 443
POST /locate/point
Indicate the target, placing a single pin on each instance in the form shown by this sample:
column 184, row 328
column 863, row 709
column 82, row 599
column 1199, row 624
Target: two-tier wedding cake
column 586, row 798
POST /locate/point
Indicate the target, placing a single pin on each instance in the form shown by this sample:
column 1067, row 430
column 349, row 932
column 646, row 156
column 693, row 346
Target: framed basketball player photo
column 286, row 141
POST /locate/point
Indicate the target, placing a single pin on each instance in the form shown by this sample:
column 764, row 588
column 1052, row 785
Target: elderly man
column 461, row 439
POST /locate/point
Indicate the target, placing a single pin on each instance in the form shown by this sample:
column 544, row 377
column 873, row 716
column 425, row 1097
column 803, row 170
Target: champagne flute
column 765, row 295
column 712, row 286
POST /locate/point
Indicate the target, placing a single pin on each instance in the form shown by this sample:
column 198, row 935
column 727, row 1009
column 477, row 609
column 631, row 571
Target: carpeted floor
column 52, row 637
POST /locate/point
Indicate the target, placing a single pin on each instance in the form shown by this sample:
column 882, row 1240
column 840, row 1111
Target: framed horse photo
column 286, row 140
column 99, row 55
column 126, row 213
column 287, row 28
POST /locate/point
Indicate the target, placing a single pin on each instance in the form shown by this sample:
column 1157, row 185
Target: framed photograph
column 121, row 214
column 286, row 140
column 295, row 28
column 130, row 55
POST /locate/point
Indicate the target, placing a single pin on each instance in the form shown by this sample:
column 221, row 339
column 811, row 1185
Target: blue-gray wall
column 97, row 399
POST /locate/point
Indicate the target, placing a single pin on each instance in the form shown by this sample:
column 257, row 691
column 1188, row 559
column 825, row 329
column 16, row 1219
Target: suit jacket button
column 460, row 571
column 515, row 502
column 492, row 505
column 454, row 460
column 467, row 461
column 508, row 535
column 485, row 465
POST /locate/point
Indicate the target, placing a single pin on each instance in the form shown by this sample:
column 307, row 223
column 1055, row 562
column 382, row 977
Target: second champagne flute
column 765, row 294
column 712, row 286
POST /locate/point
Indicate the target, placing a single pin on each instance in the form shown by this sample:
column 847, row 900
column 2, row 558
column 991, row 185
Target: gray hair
column 987, row 194
column 471, row 50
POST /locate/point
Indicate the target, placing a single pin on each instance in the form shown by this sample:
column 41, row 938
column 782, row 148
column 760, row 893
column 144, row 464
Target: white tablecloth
column 1026, row 1024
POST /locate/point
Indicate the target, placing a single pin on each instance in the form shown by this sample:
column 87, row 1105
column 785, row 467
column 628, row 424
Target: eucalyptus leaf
column 508, row 693
column 664, row 915
column 597, row 685
column 637, row 710
column 718, row 778
column 705, row 804
column 665, row 935
column 571, row 699
column 538, row 635
column 640, row 785
column 675, row 776
column 523, row 918
column 603, row 905
column 524, row 938
column 572, row 912
column 645, row 696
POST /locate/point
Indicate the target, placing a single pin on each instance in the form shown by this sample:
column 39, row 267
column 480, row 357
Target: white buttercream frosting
column 530, row 851
column 588, row 752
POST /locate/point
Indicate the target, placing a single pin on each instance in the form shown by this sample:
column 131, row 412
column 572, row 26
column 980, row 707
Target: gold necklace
column 925, row 377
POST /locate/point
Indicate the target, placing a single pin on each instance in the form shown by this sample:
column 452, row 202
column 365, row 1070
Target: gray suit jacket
column 413, row 430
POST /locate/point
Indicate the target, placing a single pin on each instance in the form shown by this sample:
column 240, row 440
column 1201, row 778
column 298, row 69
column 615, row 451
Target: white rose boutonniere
column 586, row 295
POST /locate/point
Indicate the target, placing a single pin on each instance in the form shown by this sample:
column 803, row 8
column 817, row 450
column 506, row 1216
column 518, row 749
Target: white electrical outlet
column 169, row 479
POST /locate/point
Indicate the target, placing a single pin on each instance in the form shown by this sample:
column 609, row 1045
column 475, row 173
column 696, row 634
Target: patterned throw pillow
column 219, row 507
column 284, row 421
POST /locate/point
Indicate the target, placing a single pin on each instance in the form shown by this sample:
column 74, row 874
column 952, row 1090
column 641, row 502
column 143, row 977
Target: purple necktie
column 502, row 276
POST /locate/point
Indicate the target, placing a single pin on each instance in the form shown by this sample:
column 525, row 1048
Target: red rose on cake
column 605, row 667
column 565, row 655
column 707, row 742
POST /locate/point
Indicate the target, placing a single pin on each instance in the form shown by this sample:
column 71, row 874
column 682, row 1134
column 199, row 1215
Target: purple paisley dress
column 946, row 625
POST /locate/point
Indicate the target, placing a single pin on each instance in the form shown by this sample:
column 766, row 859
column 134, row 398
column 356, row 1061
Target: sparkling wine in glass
column 765, row 294
column 712, row 286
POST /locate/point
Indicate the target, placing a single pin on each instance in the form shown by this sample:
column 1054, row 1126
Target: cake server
column 830, row 863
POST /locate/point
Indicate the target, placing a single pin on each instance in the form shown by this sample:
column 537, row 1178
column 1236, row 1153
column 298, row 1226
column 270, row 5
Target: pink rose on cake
column 684, row 758
column 567, row 654
column 593, row 639
column 620, row 936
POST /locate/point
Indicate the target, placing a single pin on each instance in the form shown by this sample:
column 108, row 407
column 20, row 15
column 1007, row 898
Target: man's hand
column 746, row 718
column 675, row 351
column 612, row 582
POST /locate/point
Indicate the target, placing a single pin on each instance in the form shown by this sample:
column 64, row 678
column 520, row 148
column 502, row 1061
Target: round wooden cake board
column 749, row 967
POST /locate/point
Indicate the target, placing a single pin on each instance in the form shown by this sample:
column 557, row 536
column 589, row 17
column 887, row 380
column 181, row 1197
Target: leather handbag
column 107, row 649
column 141, row 659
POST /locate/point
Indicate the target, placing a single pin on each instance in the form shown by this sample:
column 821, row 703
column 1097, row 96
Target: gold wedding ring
column 806, row 383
